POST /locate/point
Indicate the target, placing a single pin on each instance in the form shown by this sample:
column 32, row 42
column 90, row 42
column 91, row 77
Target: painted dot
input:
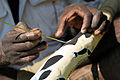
column 61, row 79
column 45, row 75
column 52, row 61
column 81, row 52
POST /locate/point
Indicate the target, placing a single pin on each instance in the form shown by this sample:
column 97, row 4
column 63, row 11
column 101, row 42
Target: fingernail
column 97, row 32
column 58, row 34
column 35, row 29
column 46, row 43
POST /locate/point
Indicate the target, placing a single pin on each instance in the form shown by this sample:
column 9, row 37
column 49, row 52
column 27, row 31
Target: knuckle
column 22, row 37
column 27, row 59
column 22, row 24
column 29, row 45
column 33, row 35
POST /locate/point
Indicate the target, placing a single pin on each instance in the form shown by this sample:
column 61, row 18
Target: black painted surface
column 45, row 75
column 83, row 51
column 61, row 79
column 74, row 40
column 52, row 61
column 87, row 35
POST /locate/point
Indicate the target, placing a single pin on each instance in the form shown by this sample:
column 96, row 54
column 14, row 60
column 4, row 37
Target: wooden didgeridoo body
column 63, row 61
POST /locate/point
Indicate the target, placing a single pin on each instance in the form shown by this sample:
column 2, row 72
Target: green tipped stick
column 54, row 39
column 29, row 31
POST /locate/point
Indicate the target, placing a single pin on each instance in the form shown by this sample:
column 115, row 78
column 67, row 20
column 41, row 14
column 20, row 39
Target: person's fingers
column 26, row 59
column 16, row 58
column 75, row 21
column 19, row 35
column 69, row 15
column 62, row 21
column 23, row 57
column 35, row 50
column 14, row 36
column 34, row 53
column 87, row 18
column 96, row 21
column 84, row 13
column 86, row 22
column 29, row 58
column 29, row 36
column 40, row 47
column 25, row 45
column 101, row 28
column 22, row 25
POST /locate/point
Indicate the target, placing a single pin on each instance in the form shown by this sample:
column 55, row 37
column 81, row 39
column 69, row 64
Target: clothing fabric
column 14, row 7
column 42, row 14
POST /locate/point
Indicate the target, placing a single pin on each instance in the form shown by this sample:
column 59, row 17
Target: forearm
column 110, row 8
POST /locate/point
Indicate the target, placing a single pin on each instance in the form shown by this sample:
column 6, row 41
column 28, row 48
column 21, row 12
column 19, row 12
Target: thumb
column 22, row 25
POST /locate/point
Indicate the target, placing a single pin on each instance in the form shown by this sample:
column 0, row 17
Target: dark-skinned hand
column 82, row 17
column 19, row 47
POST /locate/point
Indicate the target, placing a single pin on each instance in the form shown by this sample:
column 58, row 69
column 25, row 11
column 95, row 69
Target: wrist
column 108, row 11
column 109, row 8
column 108, row 14
column 3, row 61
